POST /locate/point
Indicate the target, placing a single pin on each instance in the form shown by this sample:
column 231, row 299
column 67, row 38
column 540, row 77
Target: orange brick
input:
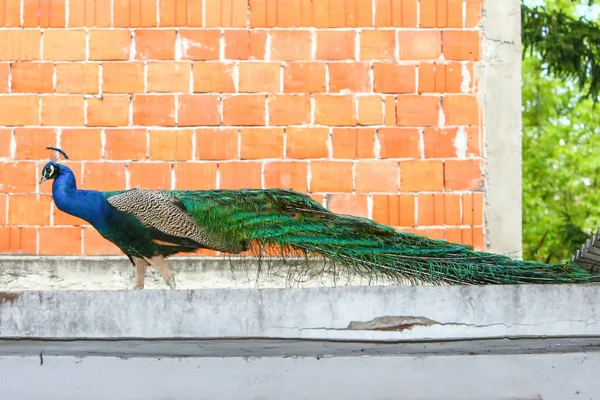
column 94, row 244
column 307, row 142
column 153, row 110
column 18, row 240
column 394, row 210
column 263, row 13
column 390, row 111
column 109, row 44
column 169, row 76
column 286, row 175
column 451, row 142
column 352, row 77
column 64, row 44
column 199, row 44
column 453, row 235
column 82, row 144
column 396, row 13
column 20, row 45
column 5, row 139
column 377, row 176
column 421, row 175
column 154, row 176
column 195, row 176
column 334, row 110
column 216, row 144
column 226, row 13
column 285, row 109
column 417, row 110
column 240, row 175
column 432, row 78
column 213, row 77
column 461, row 45
column 110, row 110
column 196, row 110
column 331, row 176
column 467, row 209
column 420, row 45
column 474, row 13
column 4, row 74
column 440, row 142
column 394, row 78
column 305, row 77
column 153, row 44
column 261, row 143
column 171, row 144
column 10, row 15
column 353, row 143
column 32, row 77
column 245, row 44
column 259, row 77
column 119, row 77
column 349, row 204
column 84, row 13
column 399, row 143
column 335, row 45
column 478, row 208
column 77, row 78
column 19, row 110
column 431, row 233
column 180, row 13
column 104, row 176
column 377, row 45
column 29, row 209
column 60, row 241
column 31, row 143
column 463, row 175
column 254, row 110
column 125, row 144
column 138, row 13
column 441, row 14
column 66, row 110
column 439, row 209
column 290, row 45
column 3, row 208
column 18, row 177
column 370, row 110
column 461, row 109
column 452, row 209
column 454, row 77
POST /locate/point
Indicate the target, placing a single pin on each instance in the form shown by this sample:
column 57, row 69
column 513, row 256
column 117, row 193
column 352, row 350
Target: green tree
column 561, row 130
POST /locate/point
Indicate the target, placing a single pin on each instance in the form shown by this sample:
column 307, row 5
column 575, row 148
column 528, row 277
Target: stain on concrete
column 9, row 297
column 391, row 323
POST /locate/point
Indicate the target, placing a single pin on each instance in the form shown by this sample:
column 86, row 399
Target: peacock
column 150, row 225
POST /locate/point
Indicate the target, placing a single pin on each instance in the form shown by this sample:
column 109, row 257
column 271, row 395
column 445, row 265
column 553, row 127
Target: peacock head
column 52, row 168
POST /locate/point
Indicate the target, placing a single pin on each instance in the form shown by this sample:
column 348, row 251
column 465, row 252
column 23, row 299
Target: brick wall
column 368, row 105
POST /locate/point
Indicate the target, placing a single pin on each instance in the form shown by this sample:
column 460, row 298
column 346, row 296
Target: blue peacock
column 150, row 225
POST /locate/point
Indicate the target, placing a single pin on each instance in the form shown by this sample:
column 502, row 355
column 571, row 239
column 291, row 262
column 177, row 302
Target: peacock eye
column 50, row 171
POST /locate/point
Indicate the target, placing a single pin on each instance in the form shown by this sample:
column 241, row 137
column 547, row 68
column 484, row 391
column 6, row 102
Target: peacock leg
column 140, row 272
column 160, row 264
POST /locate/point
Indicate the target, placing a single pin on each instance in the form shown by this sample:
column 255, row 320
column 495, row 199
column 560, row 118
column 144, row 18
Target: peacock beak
column 44, row 179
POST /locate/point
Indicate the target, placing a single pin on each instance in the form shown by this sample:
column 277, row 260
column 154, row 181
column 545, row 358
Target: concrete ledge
column 116, row 273
column 359, row 313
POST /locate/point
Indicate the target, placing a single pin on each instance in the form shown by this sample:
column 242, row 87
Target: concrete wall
column 500, row 342
column 500, row 76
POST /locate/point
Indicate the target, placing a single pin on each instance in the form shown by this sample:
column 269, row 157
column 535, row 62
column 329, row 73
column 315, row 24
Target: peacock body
column 151, row 225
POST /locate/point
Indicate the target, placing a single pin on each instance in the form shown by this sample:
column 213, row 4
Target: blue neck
column 88, row 205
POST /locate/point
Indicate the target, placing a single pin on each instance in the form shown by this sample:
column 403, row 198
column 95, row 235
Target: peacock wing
column 168, row 220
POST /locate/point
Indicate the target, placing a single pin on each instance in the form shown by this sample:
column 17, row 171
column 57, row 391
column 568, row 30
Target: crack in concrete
column 433, row 323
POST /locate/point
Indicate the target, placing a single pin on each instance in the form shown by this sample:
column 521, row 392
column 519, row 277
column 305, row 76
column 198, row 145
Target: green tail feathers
column 284, row 222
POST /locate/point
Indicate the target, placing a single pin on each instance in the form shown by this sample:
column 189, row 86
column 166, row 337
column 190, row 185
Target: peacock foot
column 138, row 287
column 171, row 282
